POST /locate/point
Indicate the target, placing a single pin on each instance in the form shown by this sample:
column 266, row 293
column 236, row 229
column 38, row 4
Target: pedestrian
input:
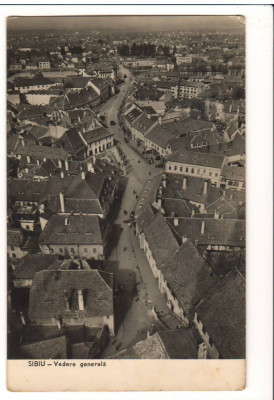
column 136, row 197
column 134, row 192
column 149, row 173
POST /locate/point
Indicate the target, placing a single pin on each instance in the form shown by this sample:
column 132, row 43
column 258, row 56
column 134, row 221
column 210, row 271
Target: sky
column 128, row 23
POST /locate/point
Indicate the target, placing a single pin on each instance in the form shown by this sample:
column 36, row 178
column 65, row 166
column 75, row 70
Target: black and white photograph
column 126, row 187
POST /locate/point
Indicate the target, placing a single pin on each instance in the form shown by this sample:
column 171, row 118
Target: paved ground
column 134, row 305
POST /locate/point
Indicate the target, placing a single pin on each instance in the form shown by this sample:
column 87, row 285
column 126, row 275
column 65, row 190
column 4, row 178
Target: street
column 141, row 291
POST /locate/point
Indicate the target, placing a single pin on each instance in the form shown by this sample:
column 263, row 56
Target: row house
column 38, row 83
column 76, row 298
column 202, row 165
column 98, row 140
column 233, row 177
column 141, row 126
column 211, row 234
column 73, row 235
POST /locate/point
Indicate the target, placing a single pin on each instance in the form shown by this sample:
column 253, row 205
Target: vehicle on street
column 112, row 122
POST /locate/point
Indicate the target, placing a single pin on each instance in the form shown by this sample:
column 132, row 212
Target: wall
column 16, row 251
column 199, row 171
column 93, row 251
column 212, row 351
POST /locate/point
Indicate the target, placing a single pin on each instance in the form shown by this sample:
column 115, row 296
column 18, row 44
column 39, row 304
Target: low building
column 202, row 165
column 15, row 241
column 173, row 344
column 69, row 298
column 233, row 177
column 98, row 140
column 73, row 235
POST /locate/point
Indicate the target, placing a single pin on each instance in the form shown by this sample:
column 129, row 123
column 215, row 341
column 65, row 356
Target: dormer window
column 67, row 221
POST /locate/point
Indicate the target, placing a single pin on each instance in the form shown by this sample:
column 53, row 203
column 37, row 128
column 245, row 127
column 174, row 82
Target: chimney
column 160, row 120
column 184, row 183
column 23, row 142
column 159, row 201
column 59, row 163
column 160, row 191
column 58, row 324
column 202, row 352
column 175, row 221
column 216, row 214
column 80, row 300
column 192, row 213
column 62, row 202
column 205, row 187
column 62, row 174
column 37, row 162
column 67, row 301
column 28, row 159
column 90, row 167
column 66, row 165
column 184, row 239
column 22, row 318
column 203, row 228
column 83, row 175
column 164, row 183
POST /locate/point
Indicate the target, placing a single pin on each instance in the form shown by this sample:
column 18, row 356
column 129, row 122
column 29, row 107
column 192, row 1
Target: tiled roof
column 143, row 124
column 37, row 80
column 234, row 173
column 196, row 158
column 223, row 316
column 14, row 237
column 179, row 344
column 71, row 141
column 32, row 263
column 156, row 230
column 223, row 232
column 47, row 349
column 96, row 134
column 187, row 275
column 50, row 289
column 159, row 136
column 82, row 230
column 34, row 150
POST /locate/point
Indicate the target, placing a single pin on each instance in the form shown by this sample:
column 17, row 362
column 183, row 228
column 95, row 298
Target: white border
column 259, row 22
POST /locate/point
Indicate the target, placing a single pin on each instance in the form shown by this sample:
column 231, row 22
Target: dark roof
column 133, row 114
column 159, row 136
column 143, row 124
column 71, row 141
column 223, row 316
column 187, row 276
column 47, row 349
column 37, row 80
column 223, row 232
column 202, row 159
column 154, row 232
column 14, row 237
column 96, row 134
column 173, row 344
column 82, row 230
column 51, row 289
column 32, row 263
column 34, row 150
column 179, row 344
column 234, row 173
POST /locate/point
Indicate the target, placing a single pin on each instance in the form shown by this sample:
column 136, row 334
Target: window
column 85, row 250
column 12, row 248
column 210, row 174
column 181, row 169
column 61, row 250
column 13, row 255
column 175, row 167
column 72, row 250
column 198, row 171
column 169, row 168
column 192, row 170
column 27, row 227
column 186, row 169
column 94, row 250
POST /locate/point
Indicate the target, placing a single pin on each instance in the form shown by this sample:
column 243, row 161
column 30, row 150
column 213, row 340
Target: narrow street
column 132, row 267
